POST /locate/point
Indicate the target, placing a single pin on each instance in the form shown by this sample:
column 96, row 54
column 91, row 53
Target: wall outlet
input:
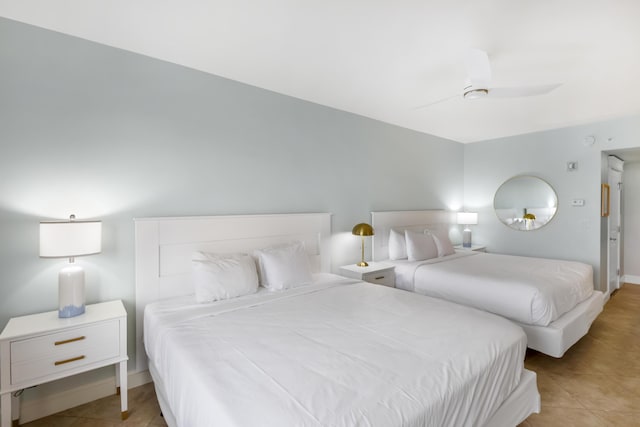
column 577, row 202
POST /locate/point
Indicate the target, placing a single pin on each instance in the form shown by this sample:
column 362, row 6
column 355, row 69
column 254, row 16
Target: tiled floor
column 597, row 383
column 143, row 412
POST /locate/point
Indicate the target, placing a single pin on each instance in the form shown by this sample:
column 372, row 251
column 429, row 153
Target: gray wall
column 575, row 231
column 104, row 133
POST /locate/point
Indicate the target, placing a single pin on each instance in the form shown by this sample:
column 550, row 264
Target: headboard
column 382, row 222
column 164, row 246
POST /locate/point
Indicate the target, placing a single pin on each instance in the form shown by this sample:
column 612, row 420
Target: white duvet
column 533, row 291
column 339, row 353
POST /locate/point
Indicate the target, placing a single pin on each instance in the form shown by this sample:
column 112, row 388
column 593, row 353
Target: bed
column 333, row 352
column 552, row 300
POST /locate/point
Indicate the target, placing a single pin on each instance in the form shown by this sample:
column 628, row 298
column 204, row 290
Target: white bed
column 552, row 300
column 336, row 352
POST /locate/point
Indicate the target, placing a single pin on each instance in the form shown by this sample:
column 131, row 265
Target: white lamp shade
column 70, row 239
column 468, row 218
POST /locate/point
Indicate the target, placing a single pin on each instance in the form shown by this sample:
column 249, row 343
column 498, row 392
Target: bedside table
column 475, row 248
column 377, row 272
column 42, row 347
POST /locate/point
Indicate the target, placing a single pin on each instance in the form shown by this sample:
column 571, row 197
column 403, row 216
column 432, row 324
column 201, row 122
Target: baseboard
column 60, row 401
column 634, row 280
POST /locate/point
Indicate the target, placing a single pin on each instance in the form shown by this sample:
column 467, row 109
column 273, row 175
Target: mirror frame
column 525, row 176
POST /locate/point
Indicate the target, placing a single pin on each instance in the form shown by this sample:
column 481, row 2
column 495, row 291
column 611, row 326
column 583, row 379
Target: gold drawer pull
column 380, row 277
column 73, row 359
column 69, row 340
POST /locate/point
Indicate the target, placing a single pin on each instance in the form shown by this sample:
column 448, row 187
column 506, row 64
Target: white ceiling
column 382, row 59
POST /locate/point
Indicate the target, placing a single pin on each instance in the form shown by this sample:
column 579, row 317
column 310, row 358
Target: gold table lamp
column 362, row 230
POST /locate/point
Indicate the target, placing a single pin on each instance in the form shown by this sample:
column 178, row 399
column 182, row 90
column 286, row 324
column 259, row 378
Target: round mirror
column 525, row 203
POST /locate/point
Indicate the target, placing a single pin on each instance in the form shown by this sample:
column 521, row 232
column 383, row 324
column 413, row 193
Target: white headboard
column 382, row 222
column 164, row 246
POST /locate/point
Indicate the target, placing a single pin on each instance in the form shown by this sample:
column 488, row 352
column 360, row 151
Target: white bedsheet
column 534, row 291
column 336, row 353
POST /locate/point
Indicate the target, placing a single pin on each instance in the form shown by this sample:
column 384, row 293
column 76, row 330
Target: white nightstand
column 42, row 347
column 475, row 248
column 377, row 272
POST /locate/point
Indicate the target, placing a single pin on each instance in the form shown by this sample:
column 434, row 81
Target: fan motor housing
column 470, row 92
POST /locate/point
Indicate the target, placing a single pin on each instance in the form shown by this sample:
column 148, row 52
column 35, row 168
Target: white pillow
column 420, row 246
column 397, row 245
column 283, row 266
column 443, row 243
column 217, row 277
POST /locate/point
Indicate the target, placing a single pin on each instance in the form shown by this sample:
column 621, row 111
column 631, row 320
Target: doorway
column 614, row 222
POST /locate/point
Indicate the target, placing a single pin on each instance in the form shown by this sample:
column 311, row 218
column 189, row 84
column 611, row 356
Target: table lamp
column 467, row 219
column 362, row 230
column 70, row 239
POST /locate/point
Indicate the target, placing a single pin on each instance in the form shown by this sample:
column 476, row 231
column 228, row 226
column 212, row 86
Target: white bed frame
column 553, row 340
column 164, row 246
column 163, row 249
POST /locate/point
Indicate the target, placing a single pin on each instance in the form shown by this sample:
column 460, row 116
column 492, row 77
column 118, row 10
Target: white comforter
column 342, row 353
column 533, row 291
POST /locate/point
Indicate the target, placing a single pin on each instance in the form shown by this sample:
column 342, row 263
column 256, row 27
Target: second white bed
column 552, row 300
column 534, row 291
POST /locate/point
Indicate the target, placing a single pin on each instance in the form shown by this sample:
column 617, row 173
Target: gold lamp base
column 362, row 264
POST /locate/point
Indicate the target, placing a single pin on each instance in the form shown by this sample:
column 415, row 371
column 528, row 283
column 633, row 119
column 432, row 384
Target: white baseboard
column 634, row 280
column 65, row 399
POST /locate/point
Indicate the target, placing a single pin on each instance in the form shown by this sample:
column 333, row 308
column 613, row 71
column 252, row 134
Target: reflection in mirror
column 525, row 203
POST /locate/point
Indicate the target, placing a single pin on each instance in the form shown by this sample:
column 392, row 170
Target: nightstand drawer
column 58, row 352
column 379, row 273
column 385, row 278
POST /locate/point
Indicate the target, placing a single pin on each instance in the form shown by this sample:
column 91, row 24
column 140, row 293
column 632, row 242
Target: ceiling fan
column 478, row 83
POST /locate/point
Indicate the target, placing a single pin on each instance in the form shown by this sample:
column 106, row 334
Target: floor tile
column 565, row 417
column 599, row 391
column 553, row 395
column 618, row 419
column 143, row 411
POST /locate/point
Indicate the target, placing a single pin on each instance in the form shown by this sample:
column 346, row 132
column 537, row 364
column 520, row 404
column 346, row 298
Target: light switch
column 577, row 202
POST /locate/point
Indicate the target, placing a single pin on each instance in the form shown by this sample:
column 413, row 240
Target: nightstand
column 42, row 347
column 475, row 248
column 377, row 272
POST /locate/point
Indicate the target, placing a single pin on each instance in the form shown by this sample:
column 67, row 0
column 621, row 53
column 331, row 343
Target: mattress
column 533, row 291
column 338, row 352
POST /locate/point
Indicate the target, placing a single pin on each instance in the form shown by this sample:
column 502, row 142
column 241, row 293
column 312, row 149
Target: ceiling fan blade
column 419, row 107
column 522, row 91
column 478, row 68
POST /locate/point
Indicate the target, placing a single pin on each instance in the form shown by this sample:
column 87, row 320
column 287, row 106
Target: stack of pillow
column 223, row 276
column 416, row 246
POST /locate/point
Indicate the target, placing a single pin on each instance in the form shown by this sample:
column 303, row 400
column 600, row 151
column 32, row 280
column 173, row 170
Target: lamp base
column 71, row 291
column 466, row 238
column 362, row 264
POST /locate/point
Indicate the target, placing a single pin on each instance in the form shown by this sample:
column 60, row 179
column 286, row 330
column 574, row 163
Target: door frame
column 615, row 167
